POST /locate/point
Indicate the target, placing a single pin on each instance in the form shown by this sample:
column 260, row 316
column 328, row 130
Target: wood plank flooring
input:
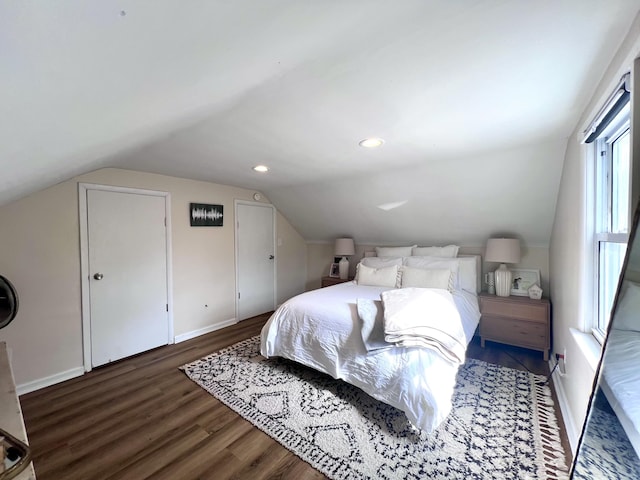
column 143, row 418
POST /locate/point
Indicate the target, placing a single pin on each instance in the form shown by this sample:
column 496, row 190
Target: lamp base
column 343, row 266
column 503, row 281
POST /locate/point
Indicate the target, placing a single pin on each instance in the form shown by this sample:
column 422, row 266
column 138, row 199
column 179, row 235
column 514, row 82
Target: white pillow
column 427, row 278
column 435, row 262
column 394, row 251
column 379, row 262
column 627, row 315
column 378, row 277
column 463, row 268
column 450, row 251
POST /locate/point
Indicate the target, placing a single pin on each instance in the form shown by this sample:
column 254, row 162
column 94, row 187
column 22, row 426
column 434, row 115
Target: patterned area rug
column 606, row 452
column 502, row 425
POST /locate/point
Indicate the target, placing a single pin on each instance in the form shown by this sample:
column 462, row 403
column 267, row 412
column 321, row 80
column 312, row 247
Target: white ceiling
column 475, row 100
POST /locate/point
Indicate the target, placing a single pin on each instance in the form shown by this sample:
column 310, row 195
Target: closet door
column 127, row 251
column 255, row 253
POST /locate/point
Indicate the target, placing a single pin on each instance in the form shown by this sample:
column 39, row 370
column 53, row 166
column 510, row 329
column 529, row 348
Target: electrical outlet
column 561, row 361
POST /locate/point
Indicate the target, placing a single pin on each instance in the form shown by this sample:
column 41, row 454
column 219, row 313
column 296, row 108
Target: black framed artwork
column 205, row 215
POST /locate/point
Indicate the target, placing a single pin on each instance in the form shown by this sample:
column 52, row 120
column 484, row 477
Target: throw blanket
column 414, row 317
column 372, row 316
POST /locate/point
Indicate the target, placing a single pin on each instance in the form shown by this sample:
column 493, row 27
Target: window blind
column 614, row 104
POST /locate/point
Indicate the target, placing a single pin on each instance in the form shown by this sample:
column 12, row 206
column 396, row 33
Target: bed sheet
column 321, row 329
column 622, row 380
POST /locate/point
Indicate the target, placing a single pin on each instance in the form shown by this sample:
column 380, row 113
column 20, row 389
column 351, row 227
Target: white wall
column 39, row 236
column 571, row 280
column 291, row 260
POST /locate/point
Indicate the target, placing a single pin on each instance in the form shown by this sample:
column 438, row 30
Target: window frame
column 602, row 219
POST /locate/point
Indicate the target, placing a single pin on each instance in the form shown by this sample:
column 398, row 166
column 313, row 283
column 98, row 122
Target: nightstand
column 518, row 321
column 328, row 281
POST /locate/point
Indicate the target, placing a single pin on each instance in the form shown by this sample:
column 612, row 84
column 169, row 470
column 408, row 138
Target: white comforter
column 321, row 329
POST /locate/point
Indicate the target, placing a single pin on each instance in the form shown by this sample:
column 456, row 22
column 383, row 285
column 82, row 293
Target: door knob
column 271, row 257
column 98, row 276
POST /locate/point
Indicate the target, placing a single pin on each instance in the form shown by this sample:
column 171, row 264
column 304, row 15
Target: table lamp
column 344, row 248
column 503, row 250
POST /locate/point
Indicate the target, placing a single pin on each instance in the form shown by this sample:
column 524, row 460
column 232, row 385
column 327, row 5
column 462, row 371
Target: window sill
column 589, row 347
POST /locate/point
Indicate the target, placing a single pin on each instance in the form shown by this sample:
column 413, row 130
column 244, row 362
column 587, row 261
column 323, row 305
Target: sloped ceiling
column 475, row 101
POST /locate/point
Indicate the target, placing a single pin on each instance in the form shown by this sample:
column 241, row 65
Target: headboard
column 478, row 270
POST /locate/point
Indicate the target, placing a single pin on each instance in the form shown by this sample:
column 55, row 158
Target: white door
column 127, row 269
column 256, row 259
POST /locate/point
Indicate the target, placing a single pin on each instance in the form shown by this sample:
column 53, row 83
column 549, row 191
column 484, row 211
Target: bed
column 322, row 329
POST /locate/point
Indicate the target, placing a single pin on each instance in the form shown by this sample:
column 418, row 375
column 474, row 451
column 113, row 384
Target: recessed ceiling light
column 371, row 142
column 261, row 168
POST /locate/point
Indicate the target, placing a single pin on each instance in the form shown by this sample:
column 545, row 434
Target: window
column 612, row 206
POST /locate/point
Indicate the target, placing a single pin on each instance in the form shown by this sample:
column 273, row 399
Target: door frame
column 275, row 253
column 85, row 287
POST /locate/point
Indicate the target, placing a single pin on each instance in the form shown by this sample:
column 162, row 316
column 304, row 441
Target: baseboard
column 48, row 381
column 572, row 433
column 201, row 331
column 78, row 371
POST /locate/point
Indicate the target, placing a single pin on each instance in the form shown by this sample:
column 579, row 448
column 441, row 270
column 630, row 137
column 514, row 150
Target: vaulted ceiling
column 475, row 101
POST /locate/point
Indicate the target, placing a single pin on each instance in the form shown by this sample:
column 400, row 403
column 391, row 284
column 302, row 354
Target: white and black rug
column 605, row 452
column 502, row 425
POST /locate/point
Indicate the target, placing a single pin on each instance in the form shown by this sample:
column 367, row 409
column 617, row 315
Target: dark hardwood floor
column 143, row 418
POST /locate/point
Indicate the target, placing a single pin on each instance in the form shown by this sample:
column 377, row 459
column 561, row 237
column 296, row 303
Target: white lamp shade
column 503, row 250
column 344, row 247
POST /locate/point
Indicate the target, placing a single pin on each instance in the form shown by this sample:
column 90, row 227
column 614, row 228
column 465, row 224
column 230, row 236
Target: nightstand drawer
column 517, row 321
column 515, row 332
column 531, row 312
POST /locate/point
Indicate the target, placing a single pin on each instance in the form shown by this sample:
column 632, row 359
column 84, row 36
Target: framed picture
column 522, row 279
column 205, row 215
column 335, row 270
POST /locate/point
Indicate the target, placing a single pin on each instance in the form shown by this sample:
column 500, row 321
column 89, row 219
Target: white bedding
column 621, row 380
column 321, row 329
column 424, row 317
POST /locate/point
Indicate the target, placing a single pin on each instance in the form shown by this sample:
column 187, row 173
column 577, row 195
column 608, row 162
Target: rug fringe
column 553, row 461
